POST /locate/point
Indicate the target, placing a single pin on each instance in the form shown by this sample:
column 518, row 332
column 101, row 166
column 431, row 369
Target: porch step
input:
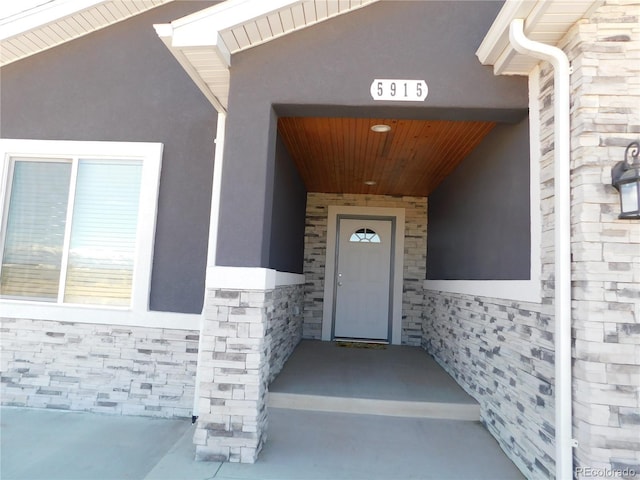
column 370, row 406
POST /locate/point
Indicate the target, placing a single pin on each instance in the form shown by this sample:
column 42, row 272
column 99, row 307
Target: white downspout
column 213, row 241
column 562, row 228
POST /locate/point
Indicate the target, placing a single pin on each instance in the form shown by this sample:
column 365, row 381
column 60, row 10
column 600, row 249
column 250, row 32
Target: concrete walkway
column 55, row 445
column 316, row 439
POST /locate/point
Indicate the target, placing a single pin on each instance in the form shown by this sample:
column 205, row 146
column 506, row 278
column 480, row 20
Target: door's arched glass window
column 364, row 235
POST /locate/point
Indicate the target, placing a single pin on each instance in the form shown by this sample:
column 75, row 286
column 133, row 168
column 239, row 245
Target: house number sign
column 399, row 90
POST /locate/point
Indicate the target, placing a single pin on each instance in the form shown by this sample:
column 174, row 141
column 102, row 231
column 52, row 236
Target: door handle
column 339, row 284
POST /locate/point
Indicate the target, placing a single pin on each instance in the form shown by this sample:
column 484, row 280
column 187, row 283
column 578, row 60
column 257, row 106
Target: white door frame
column 330, row 259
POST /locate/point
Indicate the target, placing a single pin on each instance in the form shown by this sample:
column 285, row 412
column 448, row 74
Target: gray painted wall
column 122, row 84
column 479, row 216
column 329, row 67
column 288, row 214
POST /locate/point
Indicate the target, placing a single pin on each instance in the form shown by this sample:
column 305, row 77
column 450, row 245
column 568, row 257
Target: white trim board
column 329, row 276
column 250, row 278
column 216, row 189
column 99, row 316
column 521, row 290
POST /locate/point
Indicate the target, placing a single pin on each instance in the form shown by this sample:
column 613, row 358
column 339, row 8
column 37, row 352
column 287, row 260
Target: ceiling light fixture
column 380, row 128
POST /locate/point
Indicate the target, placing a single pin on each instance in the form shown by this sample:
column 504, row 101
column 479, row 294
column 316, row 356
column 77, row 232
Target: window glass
column 364, row 235
column 87, row 257
column 35, row 227
column 103, row 232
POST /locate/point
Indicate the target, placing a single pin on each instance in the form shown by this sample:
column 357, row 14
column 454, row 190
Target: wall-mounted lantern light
column 625, row 177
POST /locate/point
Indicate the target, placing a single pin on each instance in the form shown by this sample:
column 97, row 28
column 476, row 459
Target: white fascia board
column 232, row 13
column 223, row 51
column 194, row 35
column 200, row 36
column 165, row 32
column 37, row 17
column 203, row 28
column 496, row 41
column 496, row 48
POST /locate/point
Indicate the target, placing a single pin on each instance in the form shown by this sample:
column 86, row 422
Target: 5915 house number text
column 399, row 90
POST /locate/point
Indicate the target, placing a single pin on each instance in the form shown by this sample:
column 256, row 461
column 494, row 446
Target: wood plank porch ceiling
column 337, row 155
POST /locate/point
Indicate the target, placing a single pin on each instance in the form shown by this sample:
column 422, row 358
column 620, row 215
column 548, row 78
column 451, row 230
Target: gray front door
column 363, row 271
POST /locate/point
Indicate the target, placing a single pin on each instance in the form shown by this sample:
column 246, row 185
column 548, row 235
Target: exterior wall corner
column 247, row 335
column 605, row 118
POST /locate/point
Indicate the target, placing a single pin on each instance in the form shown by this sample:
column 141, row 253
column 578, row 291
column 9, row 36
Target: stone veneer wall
column 415, row 251
column 98, row 368
column 605, row 117
column 285, row 326
column 246, row 335
column 502, row 352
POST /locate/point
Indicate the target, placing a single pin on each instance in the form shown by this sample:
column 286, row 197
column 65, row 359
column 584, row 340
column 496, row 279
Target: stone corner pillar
column 234, row 370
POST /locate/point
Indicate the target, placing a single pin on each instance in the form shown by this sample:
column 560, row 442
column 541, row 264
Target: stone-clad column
column 605, row 118
column 234, row 369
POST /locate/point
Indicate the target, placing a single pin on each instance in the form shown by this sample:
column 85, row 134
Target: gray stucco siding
column 334, row 62
column 244, row 228
column 288, row 214
column 328, row 68
column 479, row 217
column 122, row 84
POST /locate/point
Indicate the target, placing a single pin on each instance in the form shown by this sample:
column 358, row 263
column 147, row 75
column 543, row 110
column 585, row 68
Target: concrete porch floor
column 301, row 444
column 395, row 380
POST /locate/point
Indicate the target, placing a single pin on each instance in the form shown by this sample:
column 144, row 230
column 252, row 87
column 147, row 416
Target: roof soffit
column 545, row 21
column 56, row 22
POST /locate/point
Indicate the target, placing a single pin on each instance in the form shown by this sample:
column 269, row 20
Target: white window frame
column 138, row 311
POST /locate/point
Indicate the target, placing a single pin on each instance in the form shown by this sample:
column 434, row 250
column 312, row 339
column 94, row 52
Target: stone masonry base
column 247, row 337
column 98, row 368
column 501, row 353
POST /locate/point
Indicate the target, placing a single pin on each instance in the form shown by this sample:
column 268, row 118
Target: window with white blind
column 78, row 221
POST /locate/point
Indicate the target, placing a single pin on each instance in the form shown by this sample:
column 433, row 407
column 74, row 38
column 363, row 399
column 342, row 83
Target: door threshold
column 361, row 340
